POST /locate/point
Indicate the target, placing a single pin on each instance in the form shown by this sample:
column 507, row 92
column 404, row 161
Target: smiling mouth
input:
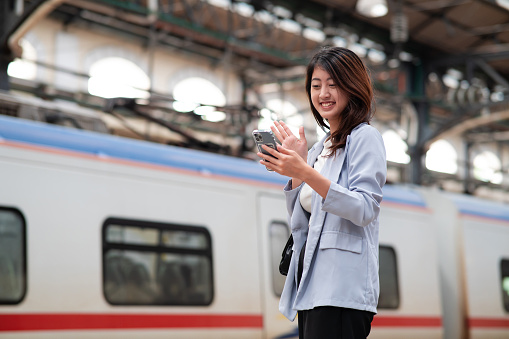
column 327, row 104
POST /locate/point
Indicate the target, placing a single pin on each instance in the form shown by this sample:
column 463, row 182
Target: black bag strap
column 286, row 256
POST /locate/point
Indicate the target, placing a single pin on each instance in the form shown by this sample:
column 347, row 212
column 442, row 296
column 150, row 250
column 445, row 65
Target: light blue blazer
column 341, row 256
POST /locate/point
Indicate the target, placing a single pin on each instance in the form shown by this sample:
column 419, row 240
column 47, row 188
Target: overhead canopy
column 270, row 41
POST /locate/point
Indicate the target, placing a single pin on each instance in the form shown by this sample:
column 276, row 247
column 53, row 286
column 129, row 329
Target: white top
column 306, row 191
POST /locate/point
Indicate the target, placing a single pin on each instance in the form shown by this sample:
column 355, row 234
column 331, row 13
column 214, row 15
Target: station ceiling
column 442, row 29
column 270, row 41
column 448, row 30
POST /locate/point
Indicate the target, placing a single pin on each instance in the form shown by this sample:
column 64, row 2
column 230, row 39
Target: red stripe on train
column 488, row 322
column 399, row 321
column 87, row 321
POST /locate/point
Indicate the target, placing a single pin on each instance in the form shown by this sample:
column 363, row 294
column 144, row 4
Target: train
column 103, row 236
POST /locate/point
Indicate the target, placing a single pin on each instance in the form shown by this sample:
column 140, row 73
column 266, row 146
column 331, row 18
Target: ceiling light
column 204, row 110
column 372, row 8
column 215, row 116
column 503, row 3
column 184, row 107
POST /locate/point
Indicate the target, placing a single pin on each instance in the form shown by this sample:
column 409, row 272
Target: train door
column 409, row 303
column 274, row 232
column 485, row 238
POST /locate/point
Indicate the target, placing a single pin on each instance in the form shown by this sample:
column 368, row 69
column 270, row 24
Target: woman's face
column 327, row 98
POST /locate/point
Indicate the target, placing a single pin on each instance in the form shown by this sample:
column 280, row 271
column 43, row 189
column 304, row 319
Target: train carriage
column 482, row 233
column 134, row 238
column 409, row 303
column 104, row 237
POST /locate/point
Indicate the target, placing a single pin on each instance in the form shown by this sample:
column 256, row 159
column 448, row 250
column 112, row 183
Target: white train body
column 105, row 237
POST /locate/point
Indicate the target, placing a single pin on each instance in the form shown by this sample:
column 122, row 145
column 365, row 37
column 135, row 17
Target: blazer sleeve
column 291, row 195
column 367, row 170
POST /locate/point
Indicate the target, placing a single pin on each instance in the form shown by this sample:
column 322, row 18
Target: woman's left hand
column 286, row 162
column 290, row 141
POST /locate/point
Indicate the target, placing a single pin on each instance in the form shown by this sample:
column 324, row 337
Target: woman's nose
column 324, row 93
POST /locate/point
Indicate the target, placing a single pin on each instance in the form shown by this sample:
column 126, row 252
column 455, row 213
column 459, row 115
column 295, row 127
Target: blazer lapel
column 332, row 169
column 315, row 152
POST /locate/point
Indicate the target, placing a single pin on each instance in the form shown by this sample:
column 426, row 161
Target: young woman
column 333, row 201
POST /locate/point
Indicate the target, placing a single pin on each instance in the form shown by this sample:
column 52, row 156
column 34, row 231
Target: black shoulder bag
column 286, row 256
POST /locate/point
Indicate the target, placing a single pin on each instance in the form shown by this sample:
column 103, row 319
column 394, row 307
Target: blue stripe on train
column 92, row 143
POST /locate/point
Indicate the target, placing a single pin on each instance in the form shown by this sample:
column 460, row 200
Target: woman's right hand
column 290, row 141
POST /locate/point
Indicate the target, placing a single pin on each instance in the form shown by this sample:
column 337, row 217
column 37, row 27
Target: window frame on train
column 504, row 282
column 18, row 257
column 148, row 263
column 389, row 281
column 279, row 231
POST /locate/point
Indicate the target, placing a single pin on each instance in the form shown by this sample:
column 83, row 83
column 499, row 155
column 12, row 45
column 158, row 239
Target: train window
column 279, row 233
column 504, row 268
column 148, row 263
column 389, row 289
column 12, row 256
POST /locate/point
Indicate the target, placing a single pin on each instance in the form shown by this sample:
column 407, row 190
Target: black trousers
column 328, row 322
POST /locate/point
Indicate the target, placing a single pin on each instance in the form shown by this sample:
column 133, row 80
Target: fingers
column 283, row 150
column 267, row 164
column 267, row 159
column 285, row 162
column 302, row 135
column 270, row 150
column 287, row 129
column 277, row 134
column 283, row 129
column 276, row 155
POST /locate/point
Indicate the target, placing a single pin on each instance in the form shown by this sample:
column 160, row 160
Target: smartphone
column 264, row 137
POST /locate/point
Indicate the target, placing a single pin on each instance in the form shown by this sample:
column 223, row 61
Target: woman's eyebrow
column 318, row 79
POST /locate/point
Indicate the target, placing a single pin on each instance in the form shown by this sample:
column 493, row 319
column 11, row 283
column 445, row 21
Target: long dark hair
column 350, row 75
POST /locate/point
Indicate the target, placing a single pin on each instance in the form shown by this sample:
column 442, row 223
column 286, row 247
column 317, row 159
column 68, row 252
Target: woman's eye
column 332, row 85
column 315, row 86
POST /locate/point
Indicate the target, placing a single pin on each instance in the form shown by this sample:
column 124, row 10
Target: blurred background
column 204, row 74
